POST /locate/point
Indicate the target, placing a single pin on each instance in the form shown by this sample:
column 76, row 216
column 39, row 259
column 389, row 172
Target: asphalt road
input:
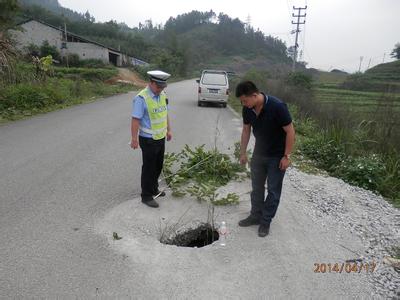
column 69, row 178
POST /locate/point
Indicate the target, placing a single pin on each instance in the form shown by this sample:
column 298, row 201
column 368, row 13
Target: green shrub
column 46, row 49
column 389, row 184
column 216, row 165
column 24, row 96
column 95, row 63
column 22, row 72
column 258, row 77
column 300, row 80
column 205, row 170
column 304, row 125
column 327, row 153
column 344, row 153
column 364, row 171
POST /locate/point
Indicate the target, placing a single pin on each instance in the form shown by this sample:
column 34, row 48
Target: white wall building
column 36, row 32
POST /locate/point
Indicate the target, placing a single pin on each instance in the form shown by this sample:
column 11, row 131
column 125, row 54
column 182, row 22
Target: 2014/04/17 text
column 344, row 267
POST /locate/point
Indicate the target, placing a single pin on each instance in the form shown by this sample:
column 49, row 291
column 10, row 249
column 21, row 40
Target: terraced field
column 358, row 101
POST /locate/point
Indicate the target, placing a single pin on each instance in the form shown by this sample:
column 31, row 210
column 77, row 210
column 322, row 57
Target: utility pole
column 65, row 45
column 298, row 16
column 361, row 59
column 384, row 54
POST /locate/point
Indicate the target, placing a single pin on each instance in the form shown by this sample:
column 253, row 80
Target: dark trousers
column 265, row 169
column 153, row 159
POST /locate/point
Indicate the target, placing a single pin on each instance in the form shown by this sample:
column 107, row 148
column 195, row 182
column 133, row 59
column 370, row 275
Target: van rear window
column 214, row 78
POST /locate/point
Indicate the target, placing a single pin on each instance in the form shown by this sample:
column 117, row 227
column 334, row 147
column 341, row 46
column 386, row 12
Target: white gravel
column 333, row 203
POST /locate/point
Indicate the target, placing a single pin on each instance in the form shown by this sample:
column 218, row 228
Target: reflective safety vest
column 157, row 113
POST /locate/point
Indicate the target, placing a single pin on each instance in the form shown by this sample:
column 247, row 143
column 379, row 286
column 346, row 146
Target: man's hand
column 284, row 163
column 169, row 135
column 243, row 159
column 134, row 144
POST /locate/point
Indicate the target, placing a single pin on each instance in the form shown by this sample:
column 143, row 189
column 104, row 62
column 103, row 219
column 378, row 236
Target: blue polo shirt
column 267, row 127
column 139, row 111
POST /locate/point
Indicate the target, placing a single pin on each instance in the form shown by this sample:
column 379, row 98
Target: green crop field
column 375, row 107
column 367, row 104
column 357, row 100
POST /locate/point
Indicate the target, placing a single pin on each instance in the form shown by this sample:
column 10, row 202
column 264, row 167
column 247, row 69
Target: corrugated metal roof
column 69, row 33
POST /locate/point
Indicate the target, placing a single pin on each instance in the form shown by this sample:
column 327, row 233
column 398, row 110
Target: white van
column 213, row 87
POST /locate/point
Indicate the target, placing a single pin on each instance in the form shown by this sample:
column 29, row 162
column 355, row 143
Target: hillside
column 185, row 44
column 388, row 72
column 381, row 78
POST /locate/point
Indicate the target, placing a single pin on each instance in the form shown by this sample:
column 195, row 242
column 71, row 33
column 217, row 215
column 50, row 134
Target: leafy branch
column 200, row 172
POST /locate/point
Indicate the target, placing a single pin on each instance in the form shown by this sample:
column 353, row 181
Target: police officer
column 149, row 129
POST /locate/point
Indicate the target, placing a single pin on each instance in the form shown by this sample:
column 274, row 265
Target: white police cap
column 159, row 77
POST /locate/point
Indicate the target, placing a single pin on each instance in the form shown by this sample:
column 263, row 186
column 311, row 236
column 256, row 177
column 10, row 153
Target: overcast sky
column 336, row 34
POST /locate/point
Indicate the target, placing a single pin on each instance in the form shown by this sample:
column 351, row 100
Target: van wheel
column 199, row 103
column 223, row 104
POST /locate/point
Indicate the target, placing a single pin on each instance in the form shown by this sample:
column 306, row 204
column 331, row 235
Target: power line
column 288, row 9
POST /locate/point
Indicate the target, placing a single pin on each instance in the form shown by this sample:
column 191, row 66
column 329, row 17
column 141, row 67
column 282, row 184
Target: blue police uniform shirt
column 139, row 111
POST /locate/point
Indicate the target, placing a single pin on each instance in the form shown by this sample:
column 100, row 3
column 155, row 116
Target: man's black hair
column 246, row 88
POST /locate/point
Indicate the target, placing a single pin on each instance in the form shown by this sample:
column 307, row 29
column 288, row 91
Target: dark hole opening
column 199, row 237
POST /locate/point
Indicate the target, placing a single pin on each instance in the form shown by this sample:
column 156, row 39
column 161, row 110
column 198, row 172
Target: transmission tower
column 248, row 22
column 297, row 31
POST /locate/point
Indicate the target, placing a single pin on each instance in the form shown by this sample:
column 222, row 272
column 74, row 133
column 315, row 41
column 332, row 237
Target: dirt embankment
column 128, row 76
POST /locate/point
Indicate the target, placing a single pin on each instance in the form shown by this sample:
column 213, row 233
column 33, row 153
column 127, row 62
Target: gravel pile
column 335, row 203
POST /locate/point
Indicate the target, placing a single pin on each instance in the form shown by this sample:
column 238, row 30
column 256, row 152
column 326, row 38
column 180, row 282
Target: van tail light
column 227, row 92
column 199, row 90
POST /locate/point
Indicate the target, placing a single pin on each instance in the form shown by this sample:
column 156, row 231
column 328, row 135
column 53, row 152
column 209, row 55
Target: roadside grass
column 53, row 95
column 31, row 93
column 359, row 147
column 234, row 103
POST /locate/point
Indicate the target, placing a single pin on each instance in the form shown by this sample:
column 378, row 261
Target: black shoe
column 151, row 202
column 159, row 194
column 263, row 230
column 249, row 221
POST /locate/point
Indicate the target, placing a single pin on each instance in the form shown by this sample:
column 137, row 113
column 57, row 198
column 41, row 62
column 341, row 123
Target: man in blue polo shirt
column 274, row 134
column 149, row 129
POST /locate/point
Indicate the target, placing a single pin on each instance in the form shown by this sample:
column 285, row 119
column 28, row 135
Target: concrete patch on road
column 280, row 265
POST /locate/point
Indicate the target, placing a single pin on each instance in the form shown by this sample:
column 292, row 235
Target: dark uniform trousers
column 153, row 159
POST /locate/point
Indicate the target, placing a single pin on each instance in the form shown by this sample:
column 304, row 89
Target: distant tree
column 231, row 35
column 8, row 9
column 396, row 51
column 190, row 40
column 89, row 17
column 188, row 21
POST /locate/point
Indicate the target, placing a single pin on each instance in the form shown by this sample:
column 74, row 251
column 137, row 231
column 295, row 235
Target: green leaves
column 204, row 171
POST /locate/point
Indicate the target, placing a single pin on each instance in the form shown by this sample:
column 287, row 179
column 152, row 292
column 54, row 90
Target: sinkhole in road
column 203, row 235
